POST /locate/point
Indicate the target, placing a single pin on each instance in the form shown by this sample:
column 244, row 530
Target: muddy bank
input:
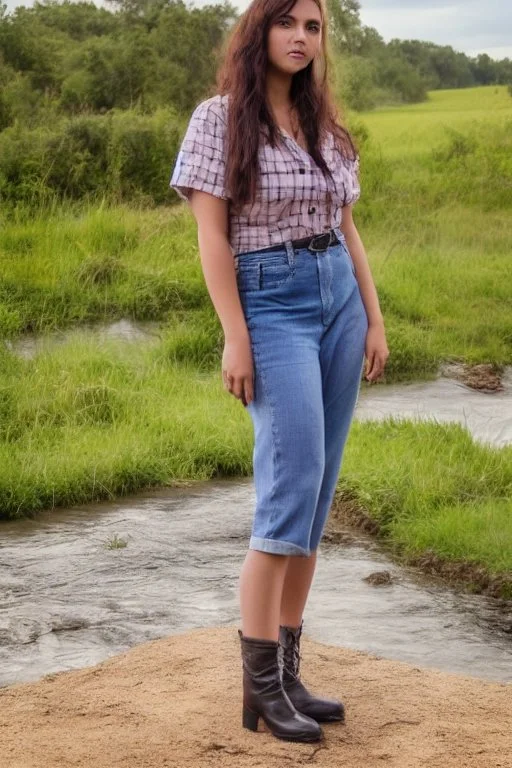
column 472, row 577
column 176, row 703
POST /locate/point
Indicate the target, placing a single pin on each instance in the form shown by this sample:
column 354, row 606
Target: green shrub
column 123, row 156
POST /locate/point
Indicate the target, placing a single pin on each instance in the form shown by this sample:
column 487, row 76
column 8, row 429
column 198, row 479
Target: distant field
column 418, row 127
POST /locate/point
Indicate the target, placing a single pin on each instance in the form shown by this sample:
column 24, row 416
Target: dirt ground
column 177, row 702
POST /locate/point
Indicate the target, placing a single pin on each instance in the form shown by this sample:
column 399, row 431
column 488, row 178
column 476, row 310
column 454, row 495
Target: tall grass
column 95, row 265
column 434, row 215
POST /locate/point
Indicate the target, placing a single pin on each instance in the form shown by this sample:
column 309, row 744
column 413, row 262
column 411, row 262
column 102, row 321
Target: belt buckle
column 322, row 237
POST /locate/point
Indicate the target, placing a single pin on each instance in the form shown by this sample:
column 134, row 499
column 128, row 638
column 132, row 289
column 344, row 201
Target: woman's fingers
column 370, row 362
column 241, row 387
column 248, row 390
column 376, row 367
column 227, row 380
column 238, row 387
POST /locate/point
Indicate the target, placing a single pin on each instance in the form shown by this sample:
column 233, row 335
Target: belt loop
column 290, row 253
column 339, row 234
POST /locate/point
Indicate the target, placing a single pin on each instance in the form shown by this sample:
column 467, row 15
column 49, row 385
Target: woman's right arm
column 217, row 261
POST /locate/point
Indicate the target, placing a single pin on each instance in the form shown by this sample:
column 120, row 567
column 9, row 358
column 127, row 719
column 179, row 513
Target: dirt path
column 177, row 702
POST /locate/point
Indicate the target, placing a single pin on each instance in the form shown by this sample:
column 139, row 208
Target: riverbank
column 467, row 574
column 88, row 421
column 438, row 499
column 176, row 702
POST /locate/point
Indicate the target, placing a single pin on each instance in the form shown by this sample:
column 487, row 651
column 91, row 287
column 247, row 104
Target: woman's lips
column 296, row 55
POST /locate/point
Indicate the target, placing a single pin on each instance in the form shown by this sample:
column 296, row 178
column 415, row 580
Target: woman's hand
column 238, row 369
column 376, row 351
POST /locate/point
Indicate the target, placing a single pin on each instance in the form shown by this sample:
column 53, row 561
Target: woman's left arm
column 376, row 348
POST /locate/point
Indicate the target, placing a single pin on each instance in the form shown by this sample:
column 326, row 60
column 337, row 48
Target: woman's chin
column 290, row 66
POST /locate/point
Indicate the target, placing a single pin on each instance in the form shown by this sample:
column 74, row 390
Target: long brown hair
column 243, row 76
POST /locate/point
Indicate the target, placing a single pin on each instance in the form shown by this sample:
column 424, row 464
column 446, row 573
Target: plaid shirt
column 293, row 199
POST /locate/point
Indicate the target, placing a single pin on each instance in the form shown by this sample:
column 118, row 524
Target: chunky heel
column 250, row 719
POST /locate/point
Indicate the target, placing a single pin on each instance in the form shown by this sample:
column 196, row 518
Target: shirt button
column 311, row 209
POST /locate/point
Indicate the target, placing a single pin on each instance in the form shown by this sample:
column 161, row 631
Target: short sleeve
column 352, row 184
column 200, row 163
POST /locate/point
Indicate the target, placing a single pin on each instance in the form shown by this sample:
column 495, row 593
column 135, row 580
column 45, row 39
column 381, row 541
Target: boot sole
column 326, row 719
column 250, row 721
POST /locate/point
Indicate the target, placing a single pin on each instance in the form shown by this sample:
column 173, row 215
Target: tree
column 484, row 69
column 6, row 75
column 345, row 25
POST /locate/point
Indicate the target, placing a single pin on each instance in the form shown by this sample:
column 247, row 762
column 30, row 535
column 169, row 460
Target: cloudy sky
column 471, row 26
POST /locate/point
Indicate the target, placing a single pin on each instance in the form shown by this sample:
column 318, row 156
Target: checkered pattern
column 293, row 200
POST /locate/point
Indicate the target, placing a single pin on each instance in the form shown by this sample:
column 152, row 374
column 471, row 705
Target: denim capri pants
column 307, row 325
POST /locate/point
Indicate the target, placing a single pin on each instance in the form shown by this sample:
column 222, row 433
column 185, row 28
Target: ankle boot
column 322, row 710
column 264, row 695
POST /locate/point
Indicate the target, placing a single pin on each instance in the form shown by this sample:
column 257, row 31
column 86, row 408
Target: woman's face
column 299, row 30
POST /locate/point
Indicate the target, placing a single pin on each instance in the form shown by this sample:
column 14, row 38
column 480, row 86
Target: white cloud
column 471, row 26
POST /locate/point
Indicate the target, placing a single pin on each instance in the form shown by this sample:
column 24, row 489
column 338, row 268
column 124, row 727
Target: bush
column 122, row 156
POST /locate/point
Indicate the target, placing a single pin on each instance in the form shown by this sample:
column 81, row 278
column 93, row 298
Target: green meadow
column 414, row 129
column 89, row 420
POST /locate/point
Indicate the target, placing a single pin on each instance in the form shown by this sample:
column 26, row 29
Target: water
column 69, row 601
column 28, row 345
column 487, row 416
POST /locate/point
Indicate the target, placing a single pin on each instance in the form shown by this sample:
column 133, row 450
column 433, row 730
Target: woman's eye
column 312, row 28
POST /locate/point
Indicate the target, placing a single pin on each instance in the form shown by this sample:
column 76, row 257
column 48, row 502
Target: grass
column 96, row 265
column 442, row 287
column 116, row 542
column 431, row 489
column 435, row 220
column 88, row 421
column 415, row 129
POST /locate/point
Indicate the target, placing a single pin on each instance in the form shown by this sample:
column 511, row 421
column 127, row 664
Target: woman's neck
column 278, row 90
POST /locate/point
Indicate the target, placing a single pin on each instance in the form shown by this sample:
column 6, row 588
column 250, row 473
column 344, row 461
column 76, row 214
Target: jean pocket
column 263, row 274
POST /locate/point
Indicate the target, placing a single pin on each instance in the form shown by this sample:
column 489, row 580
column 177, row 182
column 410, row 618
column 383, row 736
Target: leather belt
column 313, row 243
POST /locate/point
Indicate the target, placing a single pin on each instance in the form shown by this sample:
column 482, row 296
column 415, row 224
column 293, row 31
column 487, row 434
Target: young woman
column 271, row 177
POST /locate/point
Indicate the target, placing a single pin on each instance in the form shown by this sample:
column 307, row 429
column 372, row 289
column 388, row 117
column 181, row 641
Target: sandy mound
column 177, row 702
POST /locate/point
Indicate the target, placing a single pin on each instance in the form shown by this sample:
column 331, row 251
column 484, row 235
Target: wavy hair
column 242, row 75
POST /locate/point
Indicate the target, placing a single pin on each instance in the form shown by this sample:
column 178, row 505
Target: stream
column 68, row 600
column 79, row 585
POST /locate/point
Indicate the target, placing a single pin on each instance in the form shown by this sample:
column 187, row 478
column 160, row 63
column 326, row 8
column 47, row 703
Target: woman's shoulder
column 212, row 111
column 343, row 146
